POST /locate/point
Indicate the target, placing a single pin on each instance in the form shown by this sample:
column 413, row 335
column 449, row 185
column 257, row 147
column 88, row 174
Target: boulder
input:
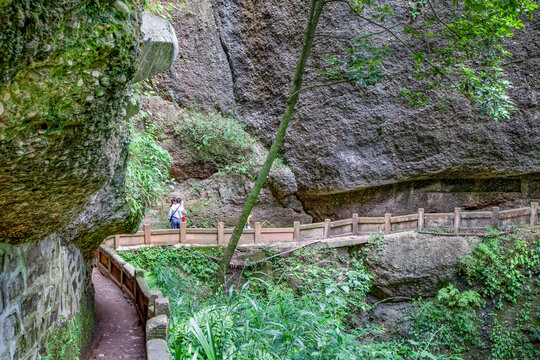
column 412, row 265
column 159, row 48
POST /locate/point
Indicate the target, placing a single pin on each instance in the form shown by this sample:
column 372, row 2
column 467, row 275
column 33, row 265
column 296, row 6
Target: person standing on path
column 175, row 213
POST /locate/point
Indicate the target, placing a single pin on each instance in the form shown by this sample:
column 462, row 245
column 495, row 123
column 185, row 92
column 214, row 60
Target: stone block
column 157, row 349
column 29, row 304
column 129, row 269
column 160, row 46
column 162, row 307
column 10, row 328
column 33, row 254
column 156, row 327
column 16, row 287
column 154, row 294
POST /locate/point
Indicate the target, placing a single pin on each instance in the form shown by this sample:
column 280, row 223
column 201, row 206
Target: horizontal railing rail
column 153, row 309
column 455, row 221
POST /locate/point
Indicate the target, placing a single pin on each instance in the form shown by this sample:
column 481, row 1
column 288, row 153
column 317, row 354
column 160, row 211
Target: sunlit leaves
column 488, row 89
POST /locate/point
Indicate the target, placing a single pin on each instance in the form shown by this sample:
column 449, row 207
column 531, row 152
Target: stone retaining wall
column 153, row 308
column 42, row 284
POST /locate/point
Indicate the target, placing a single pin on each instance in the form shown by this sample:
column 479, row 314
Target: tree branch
column 411, row 50
column 320, row 85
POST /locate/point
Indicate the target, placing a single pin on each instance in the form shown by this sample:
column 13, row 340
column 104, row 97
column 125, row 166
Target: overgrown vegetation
column 147, row 173
column 308, row 306
column 71, row 337
column 502, row 266
column 218, row 140
column 164, row 8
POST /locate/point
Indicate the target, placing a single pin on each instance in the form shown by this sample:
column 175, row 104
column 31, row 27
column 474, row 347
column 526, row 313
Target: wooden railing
column 152, row 307
column 457, row 221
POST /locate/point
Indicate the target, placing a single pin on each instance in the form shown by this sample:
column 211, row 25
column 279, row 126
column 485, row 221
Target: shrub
column 147, row 173
column 219, row 140
column 500, row 266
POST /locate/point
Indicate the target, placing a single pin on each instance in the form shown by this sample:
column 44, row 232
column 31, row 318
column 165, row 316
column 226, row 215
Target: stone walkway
column 118, row 333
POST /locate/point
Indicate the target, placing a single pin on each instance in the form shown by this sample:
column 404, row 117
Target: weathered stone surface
column 201, row 75
column 156, row 327
column 56, row 295
column 160, row 47
column 157, row 349
column 362, row 146
column 211, row 196
column 162, row 307
column 413, row 265
column 63, row 136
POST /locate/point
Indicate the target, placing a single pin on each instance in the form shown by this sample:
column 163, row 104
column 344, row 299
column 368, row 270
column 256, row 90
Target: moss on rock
column 63, row 135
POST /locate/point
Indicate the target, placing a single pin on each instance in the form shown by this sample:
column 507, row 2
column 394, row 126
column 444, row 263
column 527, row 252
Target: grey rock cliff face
column 352, row 143
column 63, row 124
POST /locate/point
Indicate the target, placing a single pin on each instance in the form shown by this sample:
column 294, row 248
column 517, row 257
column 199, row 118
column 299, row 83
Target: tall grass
column 266, row 318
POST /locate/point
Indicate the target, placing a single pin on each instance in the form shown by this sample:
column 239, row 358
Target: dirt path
column 118, row 334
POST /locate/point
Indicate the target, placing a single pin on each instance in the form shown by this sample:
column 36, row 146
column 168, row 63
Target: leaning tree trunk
column 313, row 20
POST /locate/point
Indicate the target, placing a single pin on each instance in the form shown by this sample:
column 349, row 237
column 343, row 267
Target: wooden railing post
column 494, row 217
column 296, row 231
column 326, row 230
column 420, row 219
column 220, row 233
column 147, row 235
column 387, row 223
column 183, row 233
column 116, row 243
column 457, row 219
column 355, row 224
column 258, row 236
column 534, row 213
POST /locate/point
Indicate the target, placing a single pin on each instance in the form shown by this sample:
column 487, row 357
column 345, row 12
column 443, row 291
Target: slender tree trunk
column 313, row 20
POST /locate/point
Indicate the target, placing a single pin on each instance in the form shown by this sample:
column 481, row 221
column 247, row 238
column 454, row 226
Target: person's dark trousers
column 175, row 223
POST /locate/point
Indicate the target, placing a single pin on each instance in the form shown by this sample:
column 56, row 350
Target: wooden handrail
column 457, row 221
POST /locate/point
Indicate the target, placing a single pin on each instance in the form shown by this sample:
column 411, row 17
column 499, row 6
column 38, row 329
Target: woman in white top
column 175, row 213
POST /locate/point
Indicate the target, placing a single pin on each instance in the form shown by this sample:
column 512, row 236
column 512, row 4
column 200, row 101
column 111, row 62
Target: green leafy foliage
column 147, row 173
column 164, row 8
column 500, row 266
column 457, row 46
column 488, row 89
column 218, row 140
column 190, row 262
column 266, row 319
column 308, row 304
column 71, row 336
column 453, row 328
column 509, row 342
column 454, row 298
column 414, row 98
column 362, row 64
column 470, row 33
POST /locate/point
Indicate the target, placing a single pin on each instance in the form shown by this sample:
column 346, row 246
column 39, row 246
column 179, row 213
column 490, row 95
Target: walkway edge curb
column 153, row 309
